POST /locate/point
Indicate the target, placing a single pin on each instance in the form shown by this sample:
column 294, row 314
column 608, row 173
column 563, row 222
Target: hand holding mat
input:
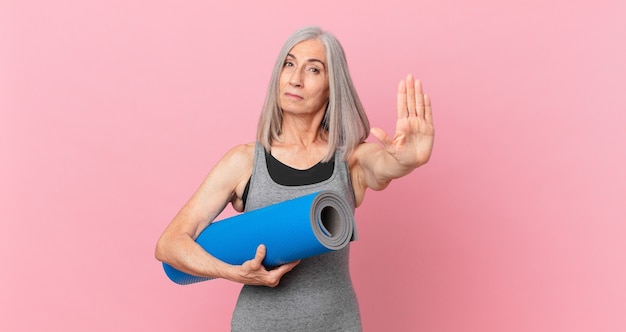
column 291, row 230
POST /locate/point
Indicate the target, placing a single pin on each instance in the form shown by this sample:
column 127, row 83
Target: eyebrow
column 310, row 60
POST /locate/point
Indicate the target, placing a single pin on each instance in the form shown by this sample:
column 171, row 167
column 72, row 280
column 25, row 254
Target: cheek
column 281, row 81
column 325, row 92
column 321, row 88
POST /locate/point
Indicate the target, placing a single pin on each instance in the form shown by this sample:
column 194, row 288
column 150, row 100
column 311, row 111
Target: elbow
column 160, row 250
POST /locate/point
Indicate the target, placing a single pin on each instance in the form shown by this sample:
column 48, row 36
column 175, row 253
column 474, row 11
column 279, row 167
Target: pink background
column 112, row 112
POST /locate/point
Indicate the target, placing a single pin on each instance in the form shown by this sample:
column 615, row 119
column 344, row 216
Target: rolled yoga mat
column 291, row 230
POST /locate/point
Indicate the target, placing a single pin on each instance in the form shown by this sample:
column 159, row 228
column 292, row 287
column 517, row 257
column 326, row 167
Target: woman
column 310, row 137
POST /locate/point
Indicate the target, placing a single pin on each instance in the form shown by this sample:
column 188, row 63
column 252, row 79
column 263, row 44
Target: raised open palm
column 412, row 143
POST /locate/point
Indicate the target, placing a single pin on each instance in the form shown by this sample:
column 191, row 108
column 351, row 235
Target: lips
column 293, row 96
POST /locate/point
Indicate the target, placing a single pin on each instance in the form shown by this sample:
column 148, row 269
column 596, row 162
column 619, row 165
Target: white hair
column 345, row 124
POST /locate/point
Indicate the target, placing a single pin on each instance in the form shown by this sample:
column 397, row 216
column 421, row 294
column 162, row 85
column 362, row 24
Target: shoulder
column 240, row 155
column 233, row 172
column 234, row 166
column 221, row 185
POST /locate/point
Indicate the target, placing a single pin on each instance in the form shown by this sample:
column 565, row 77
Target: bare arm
column 223, row 184
column 373, row 165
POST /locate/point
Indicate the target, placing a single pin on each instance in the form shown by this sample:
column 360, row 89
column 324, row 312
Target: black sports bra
column 289, row 176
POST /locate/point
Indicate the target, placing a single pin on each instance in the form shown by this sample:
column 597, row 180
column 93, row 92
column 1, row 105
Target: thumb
column 381, row 136
column 259, row 255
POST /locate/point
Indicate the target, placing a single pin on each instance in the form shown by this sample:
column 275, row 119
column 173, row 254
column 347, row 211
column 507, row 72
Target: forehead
column 309, row 49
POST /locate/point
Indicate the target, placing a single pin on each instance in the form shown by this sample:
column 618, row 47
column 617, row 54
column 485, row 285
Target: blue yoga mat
column 291, row 230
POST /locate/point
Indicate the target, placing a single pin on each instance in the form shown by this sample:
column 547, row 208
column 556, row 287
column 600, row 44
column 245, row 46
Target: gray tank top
column 317, row 295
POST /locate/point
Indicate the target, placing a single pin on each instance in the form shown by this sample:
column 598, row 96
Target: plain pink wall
column 112, row 112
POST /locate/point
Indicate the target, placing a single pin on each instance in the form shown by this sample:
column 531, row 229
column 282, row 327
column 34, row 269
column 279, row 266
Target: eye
column 288, row 64
column 314, row 70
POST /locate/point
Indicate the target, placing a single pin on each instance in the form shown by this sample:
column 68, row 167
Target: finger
column 277, row 273
column 419, row 97
column 410, row 95
column 402, row 113
column 428, row 110
column 286, row 267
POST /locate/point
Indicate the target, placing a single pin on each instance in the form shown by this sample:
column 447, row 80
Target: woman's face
column 304, row 79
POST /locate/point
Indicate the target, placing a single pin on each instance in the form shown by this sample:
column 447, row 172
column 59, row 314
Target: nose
column 296, row 79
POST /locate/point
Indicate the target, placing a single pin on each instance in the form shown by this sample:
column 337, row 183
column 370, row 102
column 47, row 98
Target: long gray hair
column 345, row 123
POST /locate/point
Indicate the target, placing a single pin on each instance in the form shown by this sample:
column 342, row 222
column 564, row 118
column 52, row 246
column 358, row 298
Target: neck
column 300, row 131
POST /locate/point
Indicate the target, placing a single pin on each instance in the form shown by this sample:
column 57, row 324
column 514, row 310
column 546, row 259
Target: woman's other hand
column 253, row 272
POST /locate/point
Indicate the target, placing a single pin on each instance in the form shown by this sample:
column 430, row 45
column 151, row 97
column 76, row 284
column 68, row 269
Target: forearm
column 189, row 257
column 185, row 255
